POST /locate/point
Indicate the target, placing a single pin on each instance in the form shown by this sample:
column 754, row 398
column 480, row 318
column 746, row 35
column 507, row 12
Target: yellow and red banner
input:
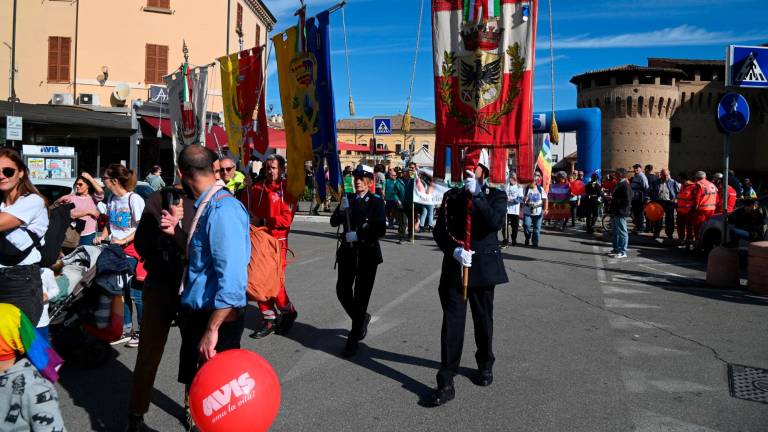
column 297, row 75
column 242, row 92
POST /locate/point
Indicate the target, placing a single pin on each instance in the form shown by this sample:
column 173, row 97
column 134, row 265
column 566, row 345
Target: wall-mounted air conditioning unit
column 89, row 99
column 62, row 99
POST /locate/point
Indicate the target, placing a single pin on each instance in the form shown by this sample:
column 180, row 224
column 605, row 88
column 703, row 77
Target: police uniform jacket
column 366, row 216
column 489, row 210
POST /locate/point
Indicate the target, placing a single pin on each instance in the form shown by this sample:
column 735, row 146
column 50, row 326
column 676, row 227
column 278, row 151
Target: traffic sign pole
column 726, row 161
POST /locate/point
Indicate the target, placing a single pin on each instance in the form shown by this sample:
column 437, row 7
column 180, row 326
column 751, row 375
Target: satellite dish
column 122, row 91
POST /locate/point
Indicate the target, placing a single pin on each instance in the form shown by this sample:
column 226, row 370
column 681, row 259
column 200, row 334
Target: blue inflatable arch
column 587, row 124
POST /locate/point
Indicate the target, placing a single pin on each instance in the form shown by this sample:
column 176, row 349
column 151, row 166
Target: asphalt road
column 582, row 342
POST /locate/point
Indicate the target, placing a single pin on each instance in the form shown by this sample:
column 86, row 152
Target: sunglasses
column 79, row 184
column 8, row 172
column 227, row 169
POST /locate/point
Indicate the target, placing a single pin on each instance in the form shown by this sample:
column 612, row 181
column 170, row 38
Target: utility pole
column 229, row 13
column 74, row 75
column 12, row 96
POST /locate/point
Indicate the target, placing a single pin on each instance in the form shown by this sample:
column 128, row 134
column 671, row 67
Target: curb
column 312, row 219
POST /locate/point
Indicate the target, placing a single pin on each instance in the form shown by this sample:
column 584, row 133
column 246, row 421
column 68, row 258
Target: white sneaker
column 122, row 339
column 133, row 342
column 620, row 255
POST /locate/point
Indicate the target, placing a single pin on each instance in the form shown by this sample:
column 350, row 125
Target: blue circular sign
column 733, row 113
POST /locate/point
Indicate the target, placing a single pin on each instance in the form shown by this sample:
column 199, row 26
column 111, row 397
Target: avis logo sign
column 241, row 388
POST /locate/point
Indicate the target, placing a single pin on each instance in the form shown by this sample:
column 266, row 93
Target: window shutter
column 258, row 35
column 162, row 62
column 239, row 17
column 64, row 54
column 152, row 3
column 150, row 64
column 160, row 4
column 53, row 59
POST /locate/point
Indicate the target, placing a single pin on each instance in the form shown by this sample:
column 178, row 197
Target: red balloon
column 654, row 212
column 578, row 187
column 237, row 390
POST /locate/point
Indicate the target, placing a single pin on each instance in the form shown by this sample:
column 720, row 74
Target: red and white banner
column 483, row 61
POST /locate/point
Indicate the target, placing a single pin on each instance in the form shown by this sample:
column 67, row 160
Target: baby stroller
column 85, row 318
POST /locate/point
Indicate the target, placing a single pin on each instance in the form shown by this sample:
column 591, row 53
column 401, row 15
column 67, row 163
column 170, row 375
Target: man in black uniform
column 359, row 254
column 486, row 270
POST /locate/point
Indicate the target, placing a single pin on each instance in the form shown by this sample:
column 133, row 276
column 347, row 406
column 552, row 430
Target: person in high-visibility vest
column 704, row 202
column 684, row 204
column 731, row 204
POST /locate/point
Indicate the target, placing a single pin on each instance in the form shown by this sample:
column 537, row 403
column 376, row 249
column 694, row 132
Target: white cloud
column 683, row 35
column 546, row 60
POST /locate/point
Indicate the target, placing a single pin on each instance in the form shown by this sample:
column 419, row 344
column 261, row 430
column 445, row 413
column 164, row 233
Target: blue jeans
column 532, row 228
column 620, row 234
column 87, row 240
column 132, row 299
column 425, row 218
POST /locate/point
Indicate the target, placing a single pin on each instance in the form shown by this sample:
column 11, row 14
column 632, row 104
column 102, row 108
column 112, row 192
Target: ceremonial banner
column 430, row 194
column 187, row 96
column 242, row 80
column 544, row 161
column 324, row 139
column 559, row 204
column 483, row 62
column 297, row 74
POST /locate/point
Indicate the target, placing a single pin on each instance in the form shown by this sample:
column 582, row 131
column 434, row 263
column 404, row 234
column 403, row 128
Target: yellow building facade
column 354, row 138
column 68, row 49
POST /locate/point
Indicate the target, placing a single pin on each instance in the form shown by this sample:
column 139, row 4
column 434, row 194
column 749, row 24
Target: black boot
column 484, row 378
column 364, row 330
column 266, row 330
column 286, row 322
column 443, row 395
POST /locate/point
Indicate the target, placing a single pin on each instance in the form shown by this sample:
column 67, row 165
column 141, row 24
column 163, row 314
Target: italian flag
column 483, row 62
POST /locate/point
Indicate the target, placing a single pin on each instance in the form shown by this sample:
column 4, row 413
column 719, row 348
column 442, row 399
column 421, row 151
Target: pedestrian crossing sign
column 747, row 66
column 382, row 126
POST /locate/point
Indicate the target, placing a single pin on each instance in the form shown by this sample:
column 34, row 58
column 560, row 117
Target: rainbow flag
column 19, row 336
column 544, row 163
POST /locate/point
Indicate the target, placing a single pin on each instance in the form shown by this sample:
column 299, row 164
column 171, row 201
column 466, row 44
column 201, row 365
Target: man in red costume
column 272, row 207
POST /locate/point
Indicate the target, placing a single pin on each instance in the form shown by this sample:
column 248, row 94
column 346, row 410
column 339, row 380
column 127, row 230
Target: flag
column 483, row 62
column 187, row 96
column 324, row 147
column 19, row 337
column 242, row 79
column 297, row 76
column 544, row 162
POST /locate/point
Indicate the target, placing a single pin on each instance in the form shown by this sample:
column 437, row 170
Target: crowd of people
column 182, row 254
column 686, row 203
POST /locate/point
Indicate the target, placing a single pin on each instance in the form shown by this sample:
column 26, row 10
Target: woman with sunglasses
column 124, row 209
column 86, row 194
column 23, row 223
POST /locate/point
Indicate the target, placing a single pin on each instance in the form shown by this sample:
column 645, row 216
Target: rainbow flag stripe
column 544, row 163
column 19, row 336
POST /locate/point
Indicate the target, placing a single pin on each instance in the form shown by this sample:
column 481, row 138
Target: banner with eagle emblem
column 483, row 62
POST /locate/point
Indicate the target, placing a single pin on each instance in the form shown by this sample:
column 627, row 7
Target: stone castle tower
column 637, row 104
column 664, row 114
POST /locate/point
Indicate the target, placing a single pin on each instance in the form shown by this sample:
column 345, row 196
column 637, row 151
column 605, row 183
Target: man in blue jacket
column 213, row 296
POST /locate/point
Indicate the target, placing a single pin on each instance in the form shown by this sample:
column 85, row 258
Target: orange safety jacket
column 731, row 198
column 705, row 195
column 685, row 198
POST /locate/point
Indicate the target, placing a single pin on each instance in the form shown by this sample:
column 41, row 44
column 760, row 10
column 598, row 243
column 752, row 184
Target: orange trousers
column 281, row 301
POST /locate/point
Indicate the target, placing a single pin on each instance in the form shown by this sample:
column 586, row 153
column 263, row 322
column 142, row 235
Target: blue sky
column 381, row 35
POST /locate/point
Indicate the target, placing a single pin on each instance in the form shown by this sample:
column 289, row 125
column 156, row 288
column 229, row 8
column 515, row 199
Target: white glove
column 463, row 256
column 351, row 236
column 344, row 203
column 470, row 183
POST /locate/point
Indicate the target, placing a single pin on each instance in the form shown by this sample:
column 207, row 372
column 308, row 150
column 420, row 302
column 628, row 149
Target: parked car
column 53, row 189
column 711, row 232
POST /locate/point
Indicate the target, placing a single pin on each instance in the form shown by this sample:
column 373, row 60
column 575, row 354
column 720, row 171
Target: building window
column 647, row 79
column 155, row 63
column 160, row 4
column 239, row 21
column 58, row 59
column 258, row 35
column 676, row 135
column 398, row 148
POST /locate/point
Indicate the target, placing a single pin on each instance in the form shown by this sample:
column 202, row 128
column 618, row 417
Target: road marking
column 632, row 348
column 311, row 260
column 617, row 290
column 649, row 421
column 660, row 271
column 313, row 359
column 621, row 304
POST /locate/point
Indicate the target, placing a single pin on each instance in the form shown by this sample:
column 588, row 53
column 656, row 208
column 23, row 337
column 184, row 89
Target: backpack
column 265, row 268
column 59, row 221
